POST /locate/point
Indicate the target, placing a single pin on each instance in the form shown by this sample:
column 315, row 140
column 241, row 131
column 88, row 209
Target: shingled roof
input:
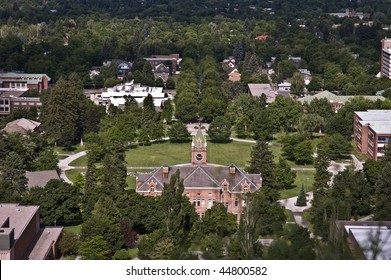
column 209, row 177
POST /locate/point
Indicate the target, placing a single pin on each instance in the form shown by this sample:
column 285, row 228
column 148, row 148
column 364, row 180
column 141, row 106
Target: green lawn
column 276, row 149
column 73, row 229
column 158, row 154
column 73, row 173
column 75, row 149
column 302, row 177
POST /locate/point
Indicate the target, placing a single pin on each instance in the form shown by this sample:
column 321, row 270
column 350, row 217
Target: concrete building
column 204, row 183
column 385, row 58
column 372, row 132
column 24, row 81
column 367, row 240
column 337, row 101
column 116, row 95
column 22, row 238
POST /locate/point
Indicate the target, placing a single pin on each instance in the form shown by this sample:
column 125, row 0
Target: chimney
column 166, row 170
column 232, row 170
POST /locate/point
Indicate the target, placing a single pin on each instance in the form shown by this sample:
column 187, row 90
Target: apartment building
column 372, row 132
column 385, row 58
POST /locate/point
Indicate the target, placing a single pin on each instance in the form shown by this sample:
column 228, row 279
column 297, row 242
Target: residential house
column 204, row 183
column 171, row 61
column 21, row 237
column 284, row 88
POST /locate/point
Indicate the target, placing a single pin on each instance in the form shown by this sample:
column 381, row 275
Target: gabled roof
column 40, row 178
column 194, row 177
column 23, row 126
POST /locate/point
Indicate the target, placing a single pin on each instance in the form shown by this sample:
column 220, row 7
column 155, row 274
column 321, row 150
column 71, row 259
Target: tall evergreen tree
column 114, row 171
column 285, row 177
column 63, row 112
column 383, row 195
column 262, row 162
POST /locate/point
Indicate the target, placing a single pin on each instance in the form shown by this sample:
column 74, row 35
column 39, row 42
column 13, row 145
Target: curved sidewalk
column 63, row 164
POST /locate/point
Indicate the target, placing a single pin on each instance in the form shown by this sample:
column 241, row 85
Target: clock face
column 198, row 157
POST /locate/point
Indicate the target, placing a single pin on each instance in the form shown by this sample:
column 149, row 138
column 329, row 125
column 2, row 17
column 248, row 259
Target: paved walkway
column 63, row 164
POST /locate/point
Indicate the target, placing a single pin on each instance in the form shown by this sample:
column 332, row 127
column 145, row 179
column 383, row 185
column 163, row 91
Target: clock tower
column 198, row 149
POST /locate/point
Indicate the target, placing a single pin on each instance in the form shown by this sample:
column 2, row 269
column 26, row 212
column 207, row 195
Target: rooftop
column 21, row 125
column 374, row 115
column 40, row 178
column 19, row 216
column 331, row 97
column 43, row 243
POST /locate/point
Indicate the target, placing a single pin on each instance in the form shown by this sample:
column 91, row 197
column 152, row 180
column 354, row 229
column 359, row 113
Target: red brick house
column 204, row 183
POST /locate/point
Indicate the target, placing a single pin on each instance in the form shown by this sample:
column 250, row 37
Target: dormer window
column 152, row 189
column 245, row 189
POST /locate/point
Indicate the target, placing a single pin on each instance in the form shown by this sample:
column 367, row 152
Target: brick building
column 21, row 236
column 385, row 58
column 171, row 61
column 372, row 132
column 204, row 183
column 24, row 81
column 11, row 99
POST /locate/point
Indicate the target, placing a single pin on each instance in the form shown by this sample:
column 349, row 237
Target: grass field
column 73, row 229
column 73, row 173
column 75, row 149
column 158, row 154
column 305, row 177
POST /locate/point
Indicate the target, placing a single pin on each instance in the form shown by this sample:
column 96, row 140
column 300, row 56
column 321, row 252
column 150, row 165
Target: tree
column 168, row 110
column 303, row 152
column 302, row 198
column 12, row 177
column 337, row 146
column 69, row 244
column 186, row 107
column 372, row 170
column 122, row 255
column 220, row 130
column 284, row 113
column 297, row 84
column 383, row 195
column 295, row 244
column 315, row 84
column 95, row 248
column 63, row 111
column 105, row 223
column 309, row 123
column 59, row 201
column 285, row 177
column 218, row 221
column 46, row 161
column 178, row 133
column 114, row 171
column 170, row 83
column 262, row 162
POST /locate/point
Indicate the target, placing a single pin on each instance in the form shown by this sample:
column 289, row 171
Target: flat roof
column 19, row 216
column 374, row 115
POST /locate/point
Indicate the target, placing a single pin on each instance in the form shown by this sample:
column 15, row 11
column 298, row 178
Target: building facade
column 372, row 132
column 385, row 58
column 21, row 236
column 204, row 183
column 11, row 99
column 24, row 81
